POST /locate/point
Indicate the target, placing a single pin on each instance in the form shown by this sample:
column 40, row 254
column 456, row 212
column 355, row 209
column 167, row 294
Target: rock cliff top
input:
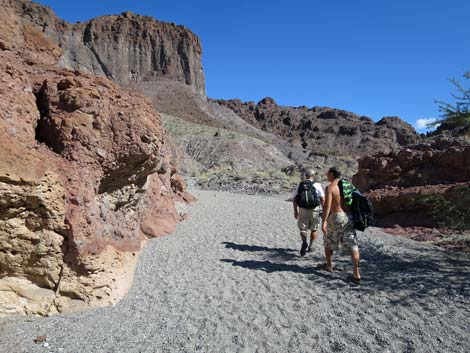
column 127, row 48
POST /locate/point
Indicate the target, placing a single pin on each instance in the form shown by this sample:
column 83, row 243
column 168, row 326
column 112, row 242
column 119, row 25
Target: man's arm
column 326, row 208
column 294, row 202
column 322, row 196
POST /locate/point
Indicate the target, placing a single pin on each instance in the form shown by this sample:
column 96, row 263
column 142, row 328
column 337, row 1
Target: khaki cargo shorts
column 340, row 232
column 309, row 219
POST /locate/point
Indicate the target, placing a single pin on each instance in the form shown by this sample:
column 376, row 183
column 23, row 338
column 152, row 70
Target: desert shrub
column 239, row 177
column 260, row 175
column 215, row 171
column 277, row 174
column 448, row 213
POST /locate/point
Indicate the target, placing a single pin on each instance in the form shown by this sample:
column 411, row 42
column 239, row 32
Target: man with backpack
column 337, row 226
column 307, row 198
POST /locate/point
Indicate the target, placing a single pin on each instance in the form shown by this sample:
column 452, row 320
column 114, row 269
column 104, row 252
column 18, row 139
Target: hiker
column 307, row 198
column 337, row 225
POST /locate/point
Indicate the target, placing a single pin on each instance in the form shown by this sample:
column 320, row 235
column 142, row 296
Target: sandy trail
column 231, row 280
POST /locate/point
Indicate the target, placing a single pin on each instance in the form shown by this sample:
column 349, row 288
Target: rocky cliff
column 85, row 178
column 127, row 48
column 321, row 130
column 163, row 61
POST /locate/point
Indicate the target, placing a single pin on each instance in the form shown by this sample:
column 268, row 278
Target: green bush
column 448, row 213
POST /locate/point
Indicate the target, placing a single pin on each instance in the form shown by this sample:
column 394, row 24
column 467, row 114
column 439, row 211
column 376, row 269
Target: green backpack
column 361, row 208
column 346, row 189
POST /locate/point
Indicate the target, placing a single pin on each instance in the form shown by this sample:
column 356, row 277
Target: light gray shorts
column 309, row 219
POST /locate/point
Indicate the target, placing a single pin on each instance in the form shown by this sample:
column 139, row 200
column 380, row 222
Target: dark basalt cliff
column 127, row 48
column 325, row 130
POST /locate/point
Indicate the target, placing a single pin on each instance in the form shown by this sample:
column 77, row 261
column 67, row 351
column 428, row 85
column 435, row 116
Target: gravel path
column 231, row 280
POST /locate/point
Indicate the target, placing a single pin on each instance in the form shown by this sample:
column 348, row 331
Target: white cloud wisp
column 422, row 124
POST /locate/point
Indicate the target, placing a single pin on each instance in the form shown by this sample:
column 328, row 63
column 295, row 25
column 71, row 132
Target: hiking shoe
column 309, row 249
column 303, row 249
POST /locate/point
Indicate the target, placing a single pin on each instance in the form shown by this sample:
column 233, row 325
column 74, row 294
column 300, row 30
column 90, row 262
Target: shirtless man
column 337, row 227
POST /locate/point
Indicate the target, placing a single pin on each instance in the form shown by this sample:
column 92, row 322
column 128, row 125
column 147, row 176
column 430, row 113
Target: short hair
column 336, row 173
column 309, row 172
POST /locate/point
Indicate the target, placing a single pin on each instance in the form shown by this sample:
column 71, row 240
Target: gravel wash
column 231, row 279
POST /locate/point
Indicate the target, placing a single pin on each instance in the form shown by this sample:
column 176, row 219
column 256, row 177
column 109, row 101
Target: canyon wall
column 85, row 178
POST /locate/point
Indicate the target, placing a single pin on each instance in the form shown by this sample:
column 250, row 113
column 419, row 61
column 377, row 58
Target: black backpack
column 361, row 207
column 362, row 211
column 307, row 195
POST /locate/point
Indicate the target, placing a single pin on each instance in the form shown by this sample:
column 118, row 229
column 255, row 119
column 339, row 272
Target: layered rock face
column 398, row 182
column 85, row 178
column 127, row 48
column 326, row 130
column 419, row 165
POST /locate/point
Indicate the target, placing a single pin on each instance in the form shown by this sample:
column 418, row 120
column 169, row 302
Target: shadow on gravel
column 406, row 274
column 270, row 267
column 413, row 274
column 278, row 253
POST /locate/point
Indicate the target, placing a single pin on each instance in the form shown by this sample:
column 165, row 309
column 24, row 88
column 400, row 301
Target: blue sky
column 374, row 58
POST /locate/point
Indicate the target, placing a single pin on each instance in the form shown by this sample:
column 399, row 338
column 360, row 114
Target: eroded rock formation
column 85, row 178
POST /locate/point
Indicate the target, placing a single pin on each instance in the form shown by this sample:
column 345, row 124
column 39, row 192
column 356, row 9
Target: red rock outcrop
column 85, row 178
column 399, row 181
column 425, row 164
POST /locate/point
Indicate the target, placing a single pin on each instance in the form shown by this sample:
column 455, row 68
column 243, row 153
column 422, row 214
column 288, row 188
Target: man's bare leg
column 355, row 257
column 313, row 236
column 303, row 249
column 329, row 256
